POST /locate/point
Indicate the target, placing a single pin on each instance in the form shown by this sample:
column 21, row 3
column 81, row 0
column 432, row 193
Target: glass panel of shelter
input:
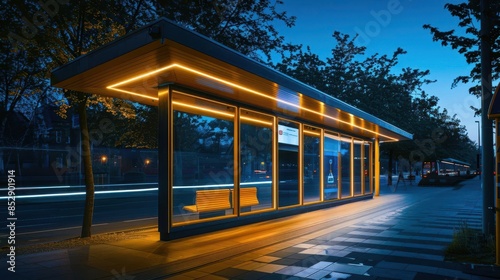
column 311, row 164
column 202, row 159
column 367, row 168
column 288, row 163
column 345, row 166
column 256, row 161
column 358, row 167
column 331, row 162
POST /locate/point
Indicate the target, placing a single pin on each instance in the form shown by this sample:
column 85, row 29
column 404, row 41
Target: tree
column 467, row 41
column 138, row 131
column 372, row 84
column 245, row 26
column 302, row 66
column 59, row 32
column 486, row 69
column 345, row 70
column 21, row 89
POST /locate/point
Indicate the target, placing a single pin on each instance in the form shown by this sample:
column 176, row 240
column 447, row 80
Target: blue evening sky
column 384, row 26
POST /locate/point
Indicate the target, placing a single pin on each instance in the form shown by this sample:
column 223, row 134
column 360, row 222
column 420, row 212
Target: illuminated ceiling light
column 352, row 118
column 113, row 87
column 345, row 139
column 133, row 93
column 311, row 133
column 203, row 109
column 256, row 120
column 143, row 75
column 332, row 136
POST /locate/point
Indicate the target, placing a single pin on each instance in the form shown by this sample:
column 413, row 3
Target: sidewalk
column 398, row 235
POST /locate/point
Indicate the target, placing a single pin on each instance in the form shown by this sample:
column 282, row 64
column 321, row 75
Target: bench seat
column 220, row 199
column 248, row 197
column 210, row 200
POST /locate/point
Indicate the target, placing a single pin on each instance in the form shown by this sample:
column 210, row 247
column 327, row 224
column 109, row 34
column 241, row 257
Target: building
column 238, row 141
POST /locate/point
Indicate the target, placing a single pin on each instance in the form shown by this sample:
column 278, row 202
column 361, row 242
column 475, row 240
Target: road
column 46, row 219
column 42, row 220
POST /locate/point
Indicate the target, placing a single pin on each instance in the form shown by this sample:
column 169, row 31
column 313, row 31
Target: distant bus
column 445, row 167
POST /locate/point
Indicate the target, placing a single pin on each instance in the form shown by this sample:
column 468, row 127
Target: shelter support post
column 164, row 194
column 377, row 167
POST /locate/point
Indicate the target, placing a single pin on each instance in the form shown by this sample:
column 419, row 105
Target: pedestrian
column 401, row 178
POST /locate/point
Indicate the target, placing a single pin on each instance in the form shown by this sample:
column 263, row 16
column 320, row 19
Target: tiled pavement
column 398, row 235
column 404, row 244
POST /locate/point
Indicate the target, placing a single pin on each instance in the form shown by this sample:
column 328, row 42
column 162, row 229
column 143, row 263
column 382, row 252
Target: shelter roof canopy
column 136, row 65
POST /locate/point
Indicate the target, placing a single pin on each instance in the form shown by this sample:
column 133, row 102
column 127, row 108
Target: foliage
column 55, row 34
column 471, row 245
column 50, row 34
column 245, row 26
column 372, row 84
column 139, row 132
column 21, row 89
column 466, row 40
column 40, row 36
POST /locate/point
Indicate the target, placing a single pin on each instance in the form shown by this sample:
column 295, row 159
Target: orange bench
column 219, row 200
column 248, row 197
column 210, row 200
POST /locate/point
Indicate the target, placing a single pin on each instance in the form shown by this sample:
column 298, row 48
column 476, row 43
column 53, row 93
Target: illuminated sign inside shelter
column 288, row 135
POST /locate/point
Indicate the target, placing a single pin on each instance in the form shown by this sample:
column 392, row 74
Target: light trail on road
column 79, row 193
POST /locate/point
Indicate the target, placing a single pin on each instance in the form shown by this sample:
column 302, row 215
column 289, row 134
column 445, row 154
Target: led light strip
column 203, row 109
column 80, row 193
column 256, row 120
column 114, row 87
column 311, row 133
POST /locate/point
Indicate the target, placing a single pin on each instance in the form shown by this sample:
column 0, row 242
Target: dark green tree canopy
column 246, row 26
column 375, row 85
column 466, row 39
column 369, row 82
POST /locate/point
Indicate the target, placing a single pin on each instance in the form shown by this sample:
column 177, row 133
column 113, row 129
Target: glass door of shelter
column 288, row 163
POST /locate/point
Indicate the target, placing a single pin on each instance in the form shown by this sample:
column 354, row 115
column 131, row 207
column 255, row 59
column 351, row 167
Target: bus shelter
column 239, row 142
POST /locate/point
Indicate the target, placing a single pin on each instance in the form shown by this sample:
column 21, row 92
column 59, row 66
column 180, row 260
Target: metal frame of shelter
column 147, row 65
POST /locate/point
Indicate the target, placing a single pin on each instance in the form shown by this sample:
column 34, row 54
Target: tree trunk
column 89, row 174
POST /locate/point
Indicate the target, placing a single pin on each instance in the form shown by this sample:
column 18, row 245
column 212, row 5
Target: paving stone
column 403, row 244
